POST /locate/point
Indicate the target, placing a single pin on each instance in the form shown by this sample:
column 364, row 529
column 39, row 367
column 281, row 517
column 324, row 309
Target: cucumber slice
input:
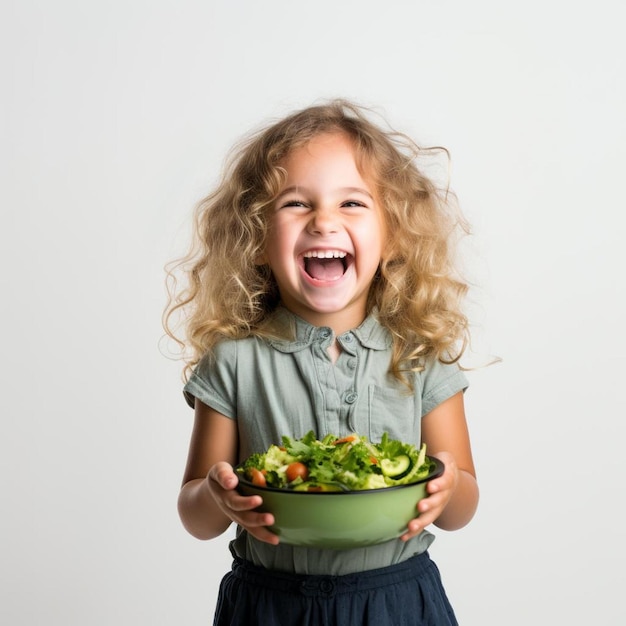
column 396, row 467
column 420, row 469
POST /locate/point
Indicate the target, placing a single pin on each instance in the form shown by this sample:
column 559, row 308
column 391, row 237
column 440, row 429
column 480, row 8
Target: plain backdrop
column 116, row 118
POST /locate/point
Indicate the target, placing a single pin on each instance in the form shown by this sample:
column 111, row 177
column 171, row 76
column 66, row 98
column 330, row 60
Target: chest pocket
column 390, row 410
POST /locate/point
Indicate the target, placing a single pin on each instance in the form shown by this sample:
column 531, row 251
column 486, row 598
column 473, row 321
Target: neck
column 340, row 321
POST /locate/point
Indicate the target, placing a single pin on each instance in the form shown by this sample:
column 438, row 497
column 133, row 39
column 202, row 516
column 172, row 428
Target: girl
column 321, row 295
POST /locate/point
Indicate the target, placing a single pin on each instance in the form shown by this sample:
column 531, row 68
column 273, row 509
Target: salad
column 336, row 464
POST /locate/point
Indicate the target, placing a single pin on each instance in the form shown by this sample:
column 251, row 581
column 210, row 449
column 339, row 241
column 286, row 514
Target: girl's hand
column 222, row 482
column 440, row 491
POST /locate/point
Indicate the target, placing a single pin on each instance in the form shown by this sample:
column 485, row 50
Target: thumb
column 223, row 474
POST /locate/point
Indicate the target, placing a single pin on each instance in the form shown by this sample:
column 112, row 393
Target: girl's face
column 326, row 235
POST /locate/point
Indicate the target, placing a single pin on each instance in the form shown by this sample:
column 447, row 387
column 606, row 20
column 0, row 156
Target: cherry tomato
column 257, row 478
column 296, row 469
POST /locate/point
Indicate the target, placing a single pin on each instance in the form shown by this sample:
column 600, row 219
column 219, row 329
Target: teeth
column 325, row 254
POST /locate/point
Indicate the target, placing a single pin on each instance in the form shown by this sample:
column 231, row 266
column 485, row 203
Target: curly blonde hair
column 417, row 292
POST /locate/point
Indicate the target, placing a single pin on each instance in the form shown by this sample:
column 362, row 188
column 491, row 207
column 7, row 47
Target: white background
column 116, row 117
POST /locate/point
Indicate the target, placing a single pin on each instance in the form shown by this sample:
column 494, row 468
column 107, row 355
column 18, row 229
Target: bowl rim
column 434, row 473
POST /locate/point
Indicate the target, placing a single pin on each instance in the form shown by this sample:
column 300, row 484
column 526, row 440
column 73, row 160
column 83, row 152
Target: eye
column 298, row 204
column 353, row 204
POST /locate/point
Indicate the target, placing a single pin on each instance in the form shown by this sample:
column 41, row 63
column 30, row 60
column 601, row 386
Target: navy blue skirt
column 407, row 594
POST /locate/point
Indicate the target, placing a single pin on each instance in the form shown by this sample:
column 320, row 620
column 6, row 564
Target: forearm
column 462, row 506
column 199, row 511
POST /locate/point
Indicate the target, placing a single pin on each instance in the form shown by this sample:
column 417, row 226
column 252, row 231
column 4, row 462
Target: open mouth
column 326, row 264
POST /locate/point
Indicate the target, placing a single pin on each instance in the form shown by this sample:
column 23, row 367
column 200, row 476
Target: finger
column 428, row 510
column 256, row 520
column 417, row 525
column 445, row 481
column 434, row 501
column 238, row 503
column 263, row 534
column 257, row 525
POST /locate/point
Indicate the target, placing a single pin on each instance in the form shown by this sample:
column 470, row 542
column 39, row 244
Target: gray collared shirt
column 276, row 387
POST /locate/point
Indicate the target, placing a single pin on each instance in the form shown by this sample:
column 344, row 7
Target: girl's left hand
column 439, row 491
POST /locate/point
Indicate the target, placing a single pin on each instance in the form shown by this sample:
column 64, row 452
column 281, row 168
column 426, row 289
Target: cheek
column 383, row 239
column 279, row 250
column 376, row 236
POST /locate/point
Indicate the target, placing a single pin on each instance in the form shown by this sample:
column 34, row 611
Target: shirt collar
column 299, row 334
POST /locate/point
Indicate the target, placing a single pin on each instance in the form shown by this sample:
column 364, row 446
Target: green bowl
column 338, row 519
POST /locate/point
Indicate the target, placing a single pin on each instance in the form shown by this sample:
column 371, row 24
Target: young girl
column 321, row 295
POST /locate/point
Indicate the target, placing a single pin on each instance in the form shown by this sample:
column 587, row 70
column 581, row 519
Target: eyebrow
column 305, row 191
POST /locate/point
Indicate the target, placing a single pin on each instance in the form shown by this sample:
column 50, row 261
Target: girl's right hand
column 222, row 482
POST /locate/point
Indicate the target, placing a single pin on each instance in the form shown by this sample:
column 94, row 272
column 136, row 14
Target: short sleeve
column 213, row 381
column 440, row 382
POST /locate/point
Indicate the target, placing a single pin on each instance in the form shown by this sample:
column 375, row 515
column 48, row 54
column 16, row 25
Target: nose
column 324, row 221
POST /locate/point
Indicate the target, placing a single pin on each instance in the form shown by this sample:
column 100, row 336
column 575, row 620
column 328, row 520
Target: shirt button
column 325, row 333
column 352, row 363
column 351, row 397
column 347, row 337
